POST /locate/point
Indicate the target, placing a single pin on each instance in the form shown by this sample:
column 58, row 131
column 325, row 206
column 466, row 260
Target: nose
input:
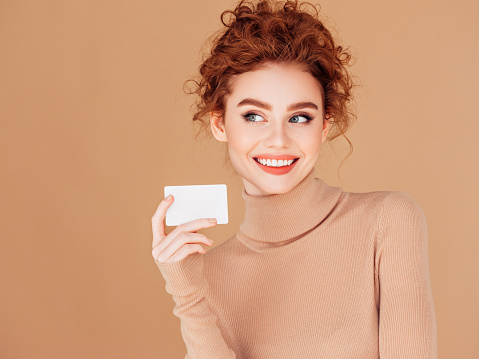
column 278, row 136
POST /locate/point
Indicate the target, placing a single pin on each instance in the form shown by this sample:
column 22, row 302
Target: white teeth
column 275, row 163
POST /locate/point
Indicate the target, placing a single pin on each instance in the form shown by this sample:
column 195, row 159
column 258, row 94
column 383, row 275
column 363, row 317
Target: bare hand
column 182, row 241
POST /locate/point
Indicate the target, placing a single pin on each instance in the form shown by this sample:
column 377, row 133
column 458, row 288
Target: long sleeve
column 186, row 283
column 407, row 322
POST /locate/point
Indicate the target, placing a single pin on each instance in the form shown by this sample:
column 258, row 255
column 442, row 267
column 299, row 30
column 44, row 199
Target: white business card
column 197, row 201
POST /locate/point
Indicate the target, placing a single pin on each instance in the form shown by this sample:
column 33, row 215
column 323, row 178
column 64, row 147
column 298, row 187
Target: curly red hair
column 259, row 32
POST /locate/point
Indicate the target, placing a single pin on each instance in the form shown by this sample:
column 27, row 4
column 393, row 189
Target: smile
column 276, row 166
column 274, row 163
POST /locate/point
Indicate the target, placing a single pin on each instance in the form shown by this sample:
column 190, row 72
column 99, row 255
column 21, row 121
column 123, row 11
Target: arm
column 185, row 282
column 407, row 322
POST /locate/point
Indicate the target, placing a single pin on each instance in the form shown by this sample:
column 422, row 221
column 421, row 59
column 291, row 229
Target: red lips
column 276, row 170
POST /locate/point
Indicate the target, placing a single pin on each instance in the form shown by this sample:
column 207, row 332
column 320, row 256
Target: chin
column 264, row 184
column 268, row 189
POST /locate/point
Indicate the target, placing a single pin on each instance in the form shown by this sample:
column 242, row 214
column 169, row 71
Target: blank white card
column 198, row 201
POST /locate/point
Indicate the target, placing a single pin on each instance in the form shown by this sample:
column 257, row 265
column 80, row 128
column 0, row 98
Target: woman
column 314, row 271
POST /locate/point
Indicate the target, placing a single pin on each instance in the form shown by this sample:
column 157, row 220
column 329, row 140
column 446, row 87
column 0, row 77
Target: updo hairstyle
column 259, row 32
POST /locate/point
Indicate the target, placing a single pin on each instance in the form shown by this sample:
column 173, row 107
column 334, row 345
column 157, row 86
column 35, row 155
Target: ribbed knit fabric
column 313, row 273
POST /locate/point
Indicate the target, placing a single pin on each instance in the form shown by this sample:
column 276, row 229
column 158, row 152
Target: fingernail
column 169, row 197
column 211, row 241
column 212, row 220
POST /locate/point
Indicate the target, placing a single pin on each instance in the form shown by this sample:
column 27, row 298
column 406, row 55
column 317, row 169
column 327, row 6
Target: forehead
column 276, row 84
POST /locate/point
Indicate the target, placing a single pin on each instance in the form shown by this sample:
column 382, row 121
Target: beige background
column 93, row 124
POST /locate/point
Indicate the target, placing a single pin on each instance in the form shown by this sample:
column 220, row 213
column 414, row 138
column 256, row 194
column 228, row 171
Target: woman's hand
column 180, row 242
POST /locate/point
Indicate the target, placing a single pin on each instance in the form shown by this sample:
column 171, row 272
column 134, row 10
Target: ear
column 218, row 126
column 326, row 126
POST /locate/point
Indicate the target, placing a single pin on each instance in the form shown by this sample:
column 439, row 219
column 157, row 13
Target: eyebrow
column 267, row 106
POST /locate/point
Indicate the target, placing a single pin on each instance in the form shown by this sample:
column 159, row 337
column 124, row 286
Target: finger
column 185, row 251
column 195, row 225
column 157, row 225
column 180, row 241
column 187, row 227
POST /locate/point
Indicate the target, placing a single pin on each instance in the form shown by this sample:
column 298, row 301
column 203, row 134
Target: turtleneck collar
column 277, row 219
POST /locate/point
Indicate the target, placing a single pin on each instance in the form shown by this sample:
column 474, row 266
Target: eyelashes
column 247, row 117
column 307, row 117
column 251, row 115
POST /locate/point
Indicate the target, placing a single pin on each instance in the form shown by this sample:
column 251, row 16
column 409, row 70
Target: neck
column 277, row 219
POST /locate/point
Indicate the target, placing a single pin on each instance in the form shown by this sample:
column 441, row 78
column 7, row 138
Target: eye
column 300, row 119
column 253, row 117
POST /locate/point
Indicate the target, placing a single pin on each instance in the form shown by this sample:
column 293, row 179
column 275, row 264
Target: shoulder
column 399, row 206
column 364, row 204
column 402, row 223
column 388, row 203
column 387, row 211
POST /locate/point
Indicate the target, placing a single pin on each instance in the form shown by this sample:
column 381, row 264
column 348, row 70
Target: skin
column 180, row 242
column 274, row 130
column 272, row 127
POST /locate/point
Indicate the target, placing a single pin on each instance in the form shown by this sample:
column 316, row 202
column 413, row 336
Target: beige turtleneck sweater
column 313, row 273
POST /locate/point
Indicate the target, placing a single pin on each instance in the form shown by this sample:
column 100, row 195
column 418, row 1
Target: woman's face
column 273, row 124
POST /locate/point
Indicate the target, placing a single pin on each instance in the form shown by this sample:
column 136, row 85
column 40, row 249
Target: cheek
column 311, row 143
column 240, row 139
